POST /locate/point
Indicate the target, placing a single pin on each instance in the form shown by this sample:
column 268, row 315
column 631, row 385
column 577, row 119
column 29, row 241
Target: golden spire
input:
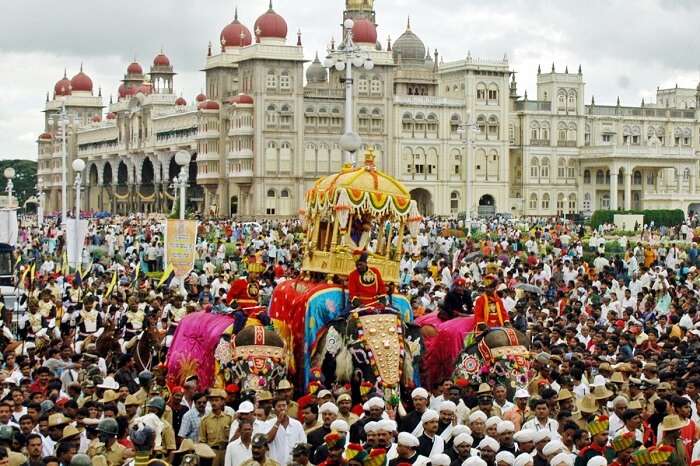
column 359, row 5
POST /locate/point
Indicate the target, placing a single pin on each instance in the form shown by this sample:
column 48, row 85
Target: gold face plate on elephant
column 497, row 353
column 382, row 336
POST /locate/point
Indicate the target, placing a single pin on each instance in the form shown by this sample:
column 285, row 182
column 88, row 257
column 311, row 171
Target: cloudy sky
column 625, row 48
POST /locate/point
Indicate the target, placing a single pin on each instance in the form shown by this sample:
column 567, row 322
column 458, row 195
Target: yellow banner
column 180, row 240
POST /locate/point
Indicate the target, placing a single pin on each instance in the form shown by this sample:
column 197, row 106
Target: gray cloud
column 625, row 48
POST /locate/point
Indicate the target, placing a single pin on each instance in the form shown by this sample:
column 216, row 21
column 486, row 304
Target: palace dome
column 180, row 101
column 111, row 116
column 81, row 82
column 161, row 60
column 208, row 105
column 271, row 25
column 231, row 34
column 364, row 32
column 409, row 47
column 316, row 73
column 63, row 87
column 201, row 98
column 134, row 68
column 241, row 99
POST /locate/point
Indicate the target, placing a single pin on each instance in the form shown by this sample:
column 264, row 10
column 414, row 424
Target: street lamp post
column 343, row 59
column 78, row 166
column 465, row 130
column 40, row 209
column 182, row 158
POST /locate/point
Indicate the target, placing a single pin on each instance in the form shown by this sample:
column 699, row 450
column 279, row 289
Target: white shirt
column 236, row 453
column 285, row 440
column 551, row 425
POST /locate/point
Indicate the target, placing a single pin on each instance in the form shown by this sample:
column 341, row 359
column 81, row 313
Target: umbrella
column 528, row 288
column 472, row 256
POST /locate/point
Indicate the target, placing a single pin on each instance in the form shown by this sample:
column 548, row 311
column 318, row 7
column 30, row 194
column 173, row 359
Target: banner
column 8, row 226
column 180, row 240
column 75, row 240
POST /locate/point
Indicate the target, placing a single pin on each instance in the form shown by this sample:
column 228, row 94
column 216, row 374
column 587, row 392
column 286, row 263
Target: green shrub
column 665, row 217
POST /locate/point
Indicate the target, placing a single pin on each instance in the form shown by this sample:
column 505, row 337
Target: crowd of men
column 615, row 374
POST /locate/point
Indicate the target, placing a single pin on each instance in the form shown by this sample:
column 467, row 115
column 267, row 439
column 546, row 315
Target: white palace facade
column 455, row 132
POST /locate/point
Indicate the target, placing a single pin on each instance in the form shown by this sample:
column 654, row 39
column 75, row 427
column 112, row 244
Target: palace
column 456, row 133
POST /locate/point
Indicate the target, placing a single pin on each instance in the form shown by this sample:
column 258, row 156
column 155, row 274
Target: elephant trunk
column 343, row 365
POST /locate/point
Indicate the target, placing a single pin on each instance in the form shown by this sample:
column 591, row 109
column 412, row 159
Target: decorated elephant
column 305, row 309
column 254, row 359
column 500, row 355
column 205, row 344
column 368, row 346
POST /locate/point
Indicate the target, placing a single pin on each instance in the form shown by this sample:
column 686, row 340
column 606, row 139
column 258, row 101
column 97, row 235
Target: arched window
column 534, row 131
column 561, row 100
column 493, row 127
column 533, row 201
column 571, row 133
column 545, row 201
column 454, row 202
column 560, row 203
column 572, row 100
column 285, row 81
column 493, row 94
column 534, row 168
column 571, row 169
column 561, row 168
column 284, row 193
column 481, row 124
column 544, row 172
column 599, row 177
column 481, row 92
column 561, row 132
column 271, row 193
column 572, row 203
column 455, row 121
column 587, row 202
column 545, row 131
column 587, row 177
column 637, row 177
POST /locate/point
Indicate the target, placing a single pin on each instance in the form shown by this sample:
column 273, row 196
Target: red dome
column 63, row 87
column 271, row 25
column 96, row 119
column 81, row 82
column 208, row 105
column 201, row 98
column 122, row 90
column 111, row 116
column 241, row 99
column 133, row 90
column 161, row 60
column 231, row 34
column 45, row 136
column 134, row 68
column 180, row 101
column 364, row 32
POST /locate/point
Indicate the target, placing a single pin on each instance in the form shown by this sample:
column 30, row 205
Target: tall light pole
column 40, row 209
column 78, row 166
column 182, row 158
column 465, row 129
column 344, row 58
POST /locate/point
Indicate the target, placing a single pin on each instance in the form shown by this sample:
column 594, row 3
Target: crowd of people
column 614, row 338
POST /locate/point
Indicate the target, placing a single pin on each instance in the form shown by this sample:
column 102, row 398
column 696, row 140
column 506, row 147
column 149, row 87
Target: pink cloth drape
column 441, row 351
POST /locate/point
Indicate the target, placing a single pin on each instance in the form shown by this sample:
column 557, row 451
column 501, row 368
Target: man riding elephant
column 489, row 310
column 365, row 284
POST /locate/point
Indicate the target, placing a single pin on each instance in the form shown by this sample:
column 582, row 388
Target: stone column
column 628, row 189
column 613, row 187
column 114, row 197
column 679, row 180
column 693, row 186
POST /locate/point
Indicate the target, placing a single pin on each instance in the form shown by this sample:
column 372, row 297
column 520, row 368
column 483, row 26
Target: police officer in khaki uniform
column 214, row 427
column 284, row 390
column 145, row 381
column 113, row 451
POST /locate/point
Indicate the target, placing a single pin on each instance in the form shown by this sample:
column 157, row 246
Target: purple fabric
column 195, row 340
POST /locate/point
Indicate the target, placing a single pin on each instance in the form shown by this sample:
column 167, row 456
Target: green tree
column 24, row 182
